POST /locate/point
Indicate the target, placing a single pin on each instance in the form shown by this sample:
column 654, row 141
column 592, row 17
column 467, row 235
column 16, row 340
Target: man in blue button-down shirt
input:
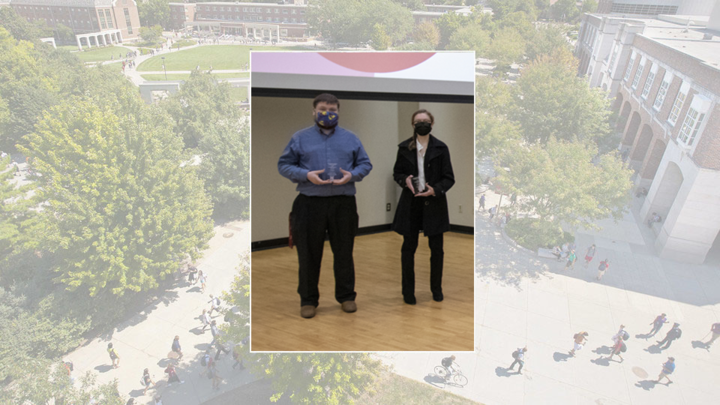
column 325, row 161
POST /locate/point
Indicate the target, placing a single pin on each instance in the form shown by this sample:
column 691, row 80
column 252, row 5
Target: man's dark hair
column 326, row 98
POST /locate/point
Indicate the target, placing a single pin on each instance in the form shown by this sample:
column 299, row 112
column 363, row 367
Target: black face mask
column 423, row 128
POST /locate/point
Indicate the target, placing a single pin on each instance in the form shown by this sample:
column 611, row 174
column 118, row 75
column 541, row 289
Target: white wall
column 380, row 125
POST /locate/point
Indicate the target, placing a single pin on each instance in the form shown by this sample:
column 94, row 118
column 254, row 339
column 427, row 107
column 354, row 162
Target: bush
column 533, row 233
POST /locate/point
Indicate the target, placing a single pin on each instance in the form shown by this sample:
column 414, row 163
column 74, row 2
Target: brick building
column 664, row 76
column 260, row 20
column 94, row 22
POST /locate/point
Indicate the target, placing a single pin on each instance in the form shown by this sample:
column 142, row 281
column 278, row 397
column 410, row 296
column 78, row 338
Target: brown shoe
column 307, row 311
column 349, row 306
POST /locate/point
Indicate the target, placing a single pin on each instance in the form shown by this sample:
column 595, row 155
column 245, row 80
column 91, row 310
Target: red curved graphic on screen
column 377, row 62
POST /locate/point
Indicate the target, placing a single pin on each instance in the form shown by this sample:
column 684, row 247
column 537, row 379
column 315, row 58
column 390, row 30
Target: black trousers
column 409, row 246
column 312, row 217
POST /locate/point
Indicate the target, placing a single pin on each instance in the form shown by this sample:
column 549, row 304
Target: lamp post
column 163, row 62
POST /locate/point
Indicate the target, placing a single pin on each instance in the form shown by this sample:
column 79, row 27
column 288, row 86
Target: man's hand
column 428, row 193
column 314, row 177
column 408, row 182
column 344, row 179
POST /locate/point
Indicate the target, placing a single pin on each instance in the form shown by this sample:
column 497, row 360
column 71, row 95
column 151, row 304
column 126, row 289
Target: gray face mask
column 423, row 128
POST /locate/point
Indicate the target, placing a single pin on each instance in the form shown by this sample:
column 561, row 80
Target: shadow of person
column 647, row 385
column 654, row 349
column 603, row 350
column 194, row 289
column 503, row 372
column 645, row 336
column 197, row 331
column 435, row 380
column 696, row 344
column 103, row 368
column 557, row 356
column 601, row 361
column 137, row 393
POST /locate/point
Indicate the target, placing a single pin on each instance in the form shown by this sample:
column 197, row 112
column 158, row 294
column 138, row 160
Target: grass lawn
column 395, row 389
column 220, row 57
column 160, row 77
column 238, row 93
column 70, row 48
column 101, row 54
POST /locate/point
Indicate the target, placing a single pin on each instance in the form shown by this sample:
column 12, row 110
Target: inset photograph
column 362, row 201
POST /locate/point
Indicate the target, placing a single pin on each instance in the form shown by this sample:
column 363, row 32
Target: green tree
column 118, row 209
column 471, row 37
column 353, row 21
column 552, row 102
column 448, row 24
column 64, row 35
column 562, row 185
column 507, row 47
column 380, row 39
column 564, row 10
column 27, row 88
column 211, row 126
column 154, row 12
column 546, row 41
column 151, row 34
column 589, row 6
column 427, row 33
column 501, row 8
column 19, row 27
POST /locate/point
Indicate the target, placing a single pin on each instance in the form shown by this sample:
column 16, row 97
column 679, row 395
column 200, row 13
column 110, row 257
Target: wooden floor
column 383, row 322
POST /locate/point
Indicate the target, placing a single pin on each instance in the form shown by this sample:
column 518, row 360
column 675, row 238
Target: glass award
column 332, row 171
column 416, row 185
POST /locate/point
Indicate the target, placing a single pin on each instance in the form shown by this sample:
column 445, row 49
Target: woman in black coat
column 425, row 209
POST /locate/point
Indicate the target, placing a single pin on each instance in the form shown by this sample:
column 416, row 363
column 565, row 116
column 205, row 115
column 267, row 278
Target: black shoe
column 438, row 297
column 409, row 299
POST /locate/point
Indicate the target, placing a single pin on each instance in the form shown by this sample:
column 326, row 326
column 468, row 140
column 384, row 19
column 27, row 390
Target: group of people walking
column 619, row 345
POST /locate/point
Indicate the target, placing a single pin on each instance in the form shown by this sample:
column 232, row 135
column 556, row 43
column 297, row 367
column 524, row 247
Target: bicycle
column 457, row 377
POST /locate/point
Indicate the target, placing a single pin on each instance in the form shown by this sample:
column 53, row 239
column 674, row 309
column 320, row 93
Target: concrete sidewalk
column 144, row 341
column 524, row 300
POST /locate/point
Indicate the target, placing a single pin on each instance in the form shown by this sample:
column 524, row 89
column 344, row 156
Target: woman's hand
column 430, row 192
column 408, row 182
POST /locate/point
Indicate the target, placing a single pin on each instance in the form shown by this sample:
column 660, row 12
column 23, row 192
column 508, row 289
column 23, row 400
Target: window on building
column 293, row 20
column 283, row 32
column 629, row 69
column 245, row 9
column 214, row 8
column 662, row 91
column 638, row 73
column 277, row 11
column 294, row 12
column 102, row 20
column 127, row 19
column 237, row 9
column 649, row 81
column 284, row 11
column 269, row 19
column 691, row 126
column 614, row 56
column 677, row 106
column 268, row 11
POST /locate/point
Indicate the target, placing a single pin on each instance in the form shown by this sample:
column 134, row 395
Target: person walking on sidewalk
column 604, row 265
column 481, row 206
column 147, row 381
column 205, row 319
column 214, row 304
column 176, row 347
column 202, row 278
column 589, row 255
column 715, row 329
column 220, row 348
column 214, row 329
column 618, row 348
column 673, row 334
column 519, row 359
column 668, row 368
column 493, row 211
column 113, row 356
column 580, row 339
column 621, row 334
column 172, row 375
column 571, row 259
column 657, row 324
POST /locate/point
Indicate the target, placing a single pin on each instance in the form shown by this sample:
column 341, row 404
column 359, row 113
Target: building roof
column 685, row 34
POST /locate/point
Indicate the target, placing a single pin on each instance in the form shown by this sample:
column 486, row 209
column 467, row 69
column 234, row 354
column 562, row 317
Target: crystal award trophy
column 332, row 171
column 416, row 185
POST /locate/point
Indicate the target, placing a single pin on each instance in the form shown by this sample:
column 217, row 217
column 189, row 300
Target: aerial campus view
column 125, row 135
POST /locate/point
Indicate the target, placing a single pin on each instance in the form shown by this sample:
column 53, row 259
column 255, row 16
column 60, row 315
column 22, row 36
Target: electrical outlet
column 387, row 207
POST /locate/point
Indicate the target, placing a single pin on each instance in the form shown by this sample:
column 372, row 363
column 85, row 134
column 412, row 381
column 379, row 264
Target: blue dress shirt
column 310, row 149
